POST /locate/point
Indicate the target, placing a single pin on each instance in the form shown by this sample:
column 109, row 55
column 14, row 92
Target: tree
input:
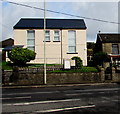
column 78, row 61
column 99, row 58
column 21, row 56
column 90, row 45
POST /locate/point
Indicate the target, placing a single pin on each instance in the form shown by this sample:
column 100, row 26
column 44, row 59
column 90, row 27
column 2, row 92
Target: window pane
column 47, row 33
column 47, row 38
column 31, row 48
column 31, row 34
column 56, row 38
column 72, row 49
column 56, row 33
column 30, row 42
column 71, row 34
column 115, row 49
column 72, row 41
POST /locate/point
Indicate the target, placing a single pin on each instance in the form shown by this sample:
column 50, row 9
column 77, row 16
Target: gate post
column 102, row 75
column 114, row 77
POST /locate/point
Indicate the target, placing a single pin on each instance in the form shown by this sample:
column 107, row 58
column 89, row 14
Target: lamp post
column 44, row 42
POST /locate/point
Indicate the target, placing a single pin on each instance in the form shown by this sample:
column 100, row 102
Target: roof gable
column 32, row 23
column 7, row 42
column 108, row 38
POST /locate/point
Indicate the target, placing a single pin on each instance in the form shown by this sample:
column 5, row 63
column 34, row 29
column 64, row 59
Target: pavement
column 54, row 85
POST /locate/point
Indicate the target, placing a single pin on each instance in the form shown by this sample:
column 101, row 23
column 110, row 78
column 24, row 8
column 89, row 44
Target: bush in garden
column 21, row 56
column 78, row 61
column 99, row 58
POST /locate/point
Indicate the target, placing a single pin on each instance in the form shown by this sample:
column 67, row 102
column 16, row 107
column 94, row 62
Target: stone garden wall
column 34, row 76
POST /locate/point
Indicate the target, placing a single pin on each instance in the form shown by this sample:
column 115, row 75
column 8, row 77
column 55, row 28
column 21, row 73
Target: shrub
column 78, row 62
column 20, row 56
column 99, row 58
column 90, row 63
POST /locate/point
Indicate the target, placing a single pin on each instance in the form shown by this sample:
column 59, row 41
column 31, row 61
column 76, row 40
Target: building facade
column 5, row 46
column 64, row 38
column 109, row 43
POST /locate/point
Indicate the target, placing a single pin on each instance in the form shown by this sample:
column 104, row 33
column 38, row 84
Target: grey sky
column 101, row 10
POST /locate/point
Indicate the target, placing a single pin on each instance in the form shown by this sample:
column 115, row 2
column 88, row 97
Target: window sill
column 73, row 53
column 56, row 41
column 115, row 54
column 46, row 41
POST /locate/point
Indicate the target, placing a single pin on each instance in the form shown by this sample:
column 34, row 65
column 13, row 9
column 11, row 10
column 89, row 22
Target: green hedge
column 83, row 69
column 6, row 65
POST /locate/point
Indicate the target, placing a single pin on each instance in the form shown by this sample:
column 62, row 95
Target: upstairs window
column 47, row 35
column 31, row 40
column 115, row 49
column 71, row 41
column 56, row 35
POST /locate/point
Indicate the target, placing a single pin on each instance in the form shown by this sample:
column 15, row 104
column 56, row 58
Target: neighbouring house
column 5, row 44
column 109, row 43
column 64, row 38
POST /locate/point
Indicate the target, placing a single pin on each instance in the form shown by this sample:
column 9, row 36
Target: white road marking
column 72, row 94
column 106, row 98
column 31, row 93
column 41, row 102
column 78, row 94
column 63, row 109
column 25, row 97
column 115, row 100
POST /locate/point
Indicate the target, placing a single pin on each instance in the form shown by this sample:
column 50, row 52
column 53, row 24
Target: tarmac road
column 79, row 99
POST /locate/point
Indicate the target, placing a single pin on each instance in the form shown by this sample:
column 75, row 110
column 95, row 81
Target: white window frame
column 47, row 36
column 71, row 39
column 31, row 47
column 115, row 49
column 55, row 35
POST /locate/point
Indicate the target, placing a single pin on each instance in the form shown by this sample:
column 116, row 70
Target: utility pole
column 44, row 42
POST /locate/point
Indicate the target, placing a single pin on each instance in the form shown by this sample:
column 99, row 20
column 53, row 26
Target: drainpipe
column 44, row 42
column 61, row 47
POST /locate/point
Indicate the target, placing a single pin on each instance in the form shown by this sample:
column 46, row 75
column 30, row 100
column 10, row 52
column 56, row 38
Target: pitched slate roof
column 38, row 23
column 7, row 42
column 109, row 38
